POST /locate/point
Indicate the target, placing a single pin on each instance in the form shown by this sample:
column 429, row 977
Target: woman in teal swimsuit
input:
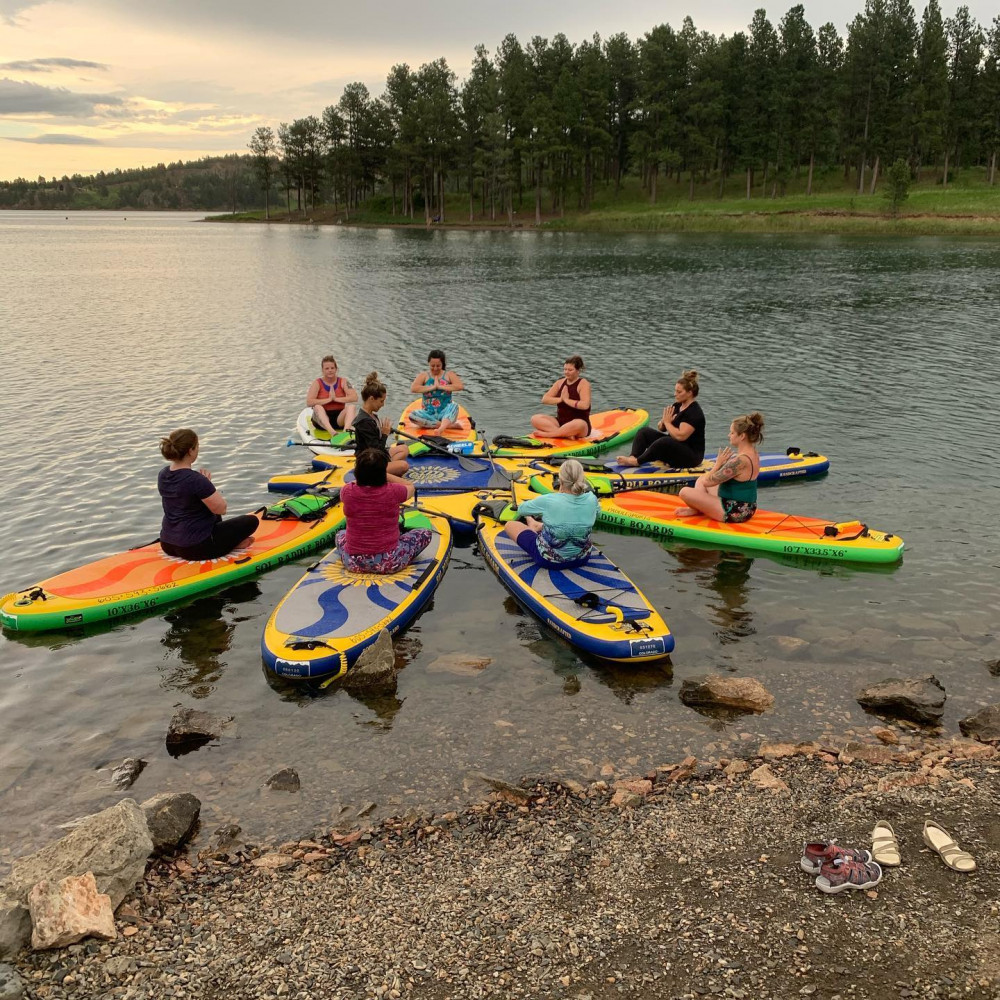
column 729, row 491
column 437, row 384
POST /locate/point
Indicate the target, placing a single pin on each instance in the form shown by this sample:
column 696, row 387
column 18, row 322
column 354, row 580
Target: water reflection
column 726, row 574
column 200, row 633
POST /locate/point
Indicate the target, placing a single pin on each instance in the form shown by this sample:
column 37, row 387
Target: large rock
column 126, row 771
column 918, row 698
column 739, row 694
column 375, row 669
column 171, row 818
column 983, row 726
column 113, row 844
column 191, row 728
column 67, row 911
column 11, row 987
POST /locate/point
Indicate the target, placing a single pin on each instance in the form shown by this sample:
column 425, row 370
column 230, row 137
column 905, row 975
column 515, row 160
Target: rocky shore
column 682, row 882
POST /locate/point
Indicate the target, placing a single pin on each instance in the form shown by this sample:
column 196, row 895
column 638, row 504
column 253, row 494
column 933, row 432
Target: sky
column 88, row 85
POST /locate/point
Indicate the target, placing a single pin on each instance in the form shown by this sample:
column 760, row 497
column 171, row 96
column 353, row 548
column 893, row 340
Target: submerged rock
column 172, row 818
column 375, row 669
column 918, row 698
column 124, row 773
column 285, row 780
column 190, row 729
column 460, row 664
column 738, row 694
column 984, row 725
column 67, row 911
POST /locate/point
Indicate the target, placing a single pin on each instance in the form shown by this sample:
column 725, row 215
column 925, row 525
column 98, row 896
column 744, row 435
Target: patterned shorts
column 431, row 418
column 738, row 511
column 411, row 544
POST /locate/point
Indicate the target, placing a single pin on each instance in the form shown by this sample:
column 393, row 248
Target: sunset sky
column 89, row 85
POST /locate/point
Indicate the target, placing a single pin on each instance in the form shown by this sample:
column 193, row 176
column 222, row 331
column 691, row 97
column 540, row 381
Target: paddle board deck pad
column 436, row 472
column 331, row 616
column 146, row 578
column 460, row 508
column 320, row 441
column 767, row 531
column 596, row 607
column 463, row 430
column 612, row 477
column 609, row 429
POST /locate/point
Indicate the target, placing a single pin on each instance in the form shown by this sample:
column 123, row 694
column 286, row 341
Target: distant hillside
column 213, row 184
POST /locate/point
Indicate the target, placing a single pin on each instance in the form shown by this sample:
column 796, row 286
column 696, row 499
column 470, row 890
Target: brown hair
column 370, row 467
column 576, row 361
column 177, row 444
column 330, row 358
column 373, row 388
column 689, row 380
column 751, row 424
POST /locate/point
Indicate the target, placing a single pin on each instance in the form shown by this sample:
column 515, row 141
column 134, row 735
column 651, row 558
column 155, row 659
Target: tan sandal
column 885, row 847
column 937, row 838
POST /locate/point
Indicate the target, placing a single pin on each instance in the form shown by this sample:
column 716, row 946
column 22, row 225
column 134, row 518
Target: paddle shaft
column 465, row 463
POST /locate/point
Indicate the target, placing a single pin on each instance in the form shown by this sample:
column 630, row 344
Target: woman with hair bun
column 332, row 398
column 371, row 432
column 437, row 384
column 192, row 526
column 570, row 395
column 728, row 492
column 679, row 438
column 561, row 539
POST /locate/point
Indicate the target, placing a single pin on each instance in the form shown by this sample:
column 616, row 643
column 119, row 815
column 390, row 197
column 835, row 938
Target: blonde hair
column 751, row 424
column 177, row 444
column 571, row 477
column 373, row 388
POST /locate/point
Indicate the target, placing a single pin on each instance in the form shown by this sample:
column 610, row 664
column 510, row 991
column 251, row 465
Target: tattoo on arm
column 727, row 471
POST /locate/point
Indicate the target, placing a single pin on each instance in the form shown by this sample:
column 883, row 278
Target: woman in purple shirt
column 193, row 528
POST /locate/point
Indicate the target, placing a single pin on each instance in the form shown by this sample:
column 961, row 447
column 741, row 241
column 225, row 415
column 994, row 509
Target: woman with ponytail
column 729, row 491
column 561, row 539
column 192, row 526
column 372, row 432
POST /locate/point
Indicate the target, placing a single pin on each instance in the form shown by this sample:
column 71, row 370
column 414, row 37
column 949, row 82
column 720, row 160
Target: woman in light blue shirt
column 562, row 537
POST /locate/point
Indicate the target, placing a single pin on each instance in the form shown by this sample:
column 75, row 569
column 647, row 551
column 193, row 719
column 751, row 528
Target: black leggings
column 651, row 445
column 226, row 535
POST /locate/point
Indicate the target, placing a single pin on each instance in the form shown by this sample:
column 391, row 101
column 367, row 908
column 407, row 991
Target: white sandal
column 885, row 847
column 939, row 840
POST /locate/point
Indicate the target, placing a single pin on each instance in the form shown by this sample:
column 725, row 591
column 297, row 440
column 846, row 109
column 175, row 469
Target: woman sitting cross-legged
column 728, row 492
column 372, row 541
column 679, row 438
column 193, row 527
column 561, row 539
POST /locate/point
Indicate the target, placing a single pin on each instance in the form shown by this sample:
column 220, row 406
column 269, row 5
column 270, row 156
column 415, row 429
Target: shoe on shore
column 837, row 876
column 816, row 853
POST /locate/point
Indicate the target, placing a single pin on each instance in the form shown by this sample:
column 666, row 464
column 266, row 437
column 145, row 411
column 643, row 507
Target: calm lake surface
column 882, row 354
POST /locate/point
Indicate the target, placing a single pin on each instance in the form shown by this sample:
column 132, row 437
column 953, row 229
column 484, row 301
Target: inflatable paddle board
column 653, row 513
column 330, row 616
column 463, row 430
column 596, row 607
column 145, row 578
column 612, row 477
column 319, row 441
column 609, row 429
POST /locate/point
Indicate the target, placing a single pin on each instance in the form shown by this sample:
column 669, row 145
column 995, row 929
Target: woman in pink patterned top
column 372, row 542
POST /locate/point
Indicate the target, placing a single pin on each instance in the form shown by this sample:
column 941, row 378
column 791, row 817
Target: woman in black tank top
column 571, row 398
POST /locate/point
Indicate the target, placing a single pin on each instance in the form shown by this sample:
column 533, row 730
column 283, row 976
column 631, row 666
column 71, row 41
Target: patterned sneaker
column 836, row 876
column 817, row 853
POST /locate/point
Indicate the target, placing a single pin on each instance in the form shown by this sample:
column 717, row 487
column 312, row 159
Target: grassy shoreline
column 930, row 210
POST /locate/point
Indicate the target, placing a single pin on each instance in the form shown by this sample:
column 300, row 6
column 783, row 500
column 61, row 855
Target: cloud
column 59, row 139
column 9, row 9
column 48, row 65
column 19, row 97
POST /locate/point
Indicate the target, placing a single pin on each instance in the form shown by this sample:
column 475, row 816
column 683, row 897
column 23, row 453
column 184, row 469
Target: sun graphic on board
column 428, row 474
column 334, row 572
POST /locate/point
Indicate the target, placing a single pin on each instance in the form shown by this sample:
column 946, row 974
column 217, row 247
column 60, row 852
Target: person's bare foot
column 685, row 512
column 628, row 460
column 245, row 544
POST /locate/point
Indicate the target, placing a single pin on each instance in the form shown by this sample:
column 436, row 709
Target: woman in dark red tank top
column 571, row 398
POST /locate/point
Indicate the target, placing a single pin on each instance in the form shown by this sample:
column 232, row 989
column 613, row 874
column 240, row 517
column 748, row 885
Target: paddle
column 498, row 479
column 316, row 444
column 466, row 463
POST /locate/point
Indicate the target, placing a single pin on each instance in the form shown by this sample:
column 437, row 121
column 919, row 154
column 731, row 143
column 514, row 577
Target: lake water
column 882, row 354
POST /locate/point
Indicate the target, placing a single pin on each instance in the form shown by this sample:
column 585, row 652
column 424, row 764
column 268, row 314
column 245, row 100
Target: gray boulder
column 171, row 818
column 113, row 844
column 190, row 729
column 11, row 987
column 124, row 773
column 285, row 780
column 920, row 699
column 375, row 669
column 984, row 725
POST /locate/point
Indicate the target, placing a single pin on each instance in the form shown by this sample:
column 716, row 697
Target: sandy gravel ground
column 689, row 887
